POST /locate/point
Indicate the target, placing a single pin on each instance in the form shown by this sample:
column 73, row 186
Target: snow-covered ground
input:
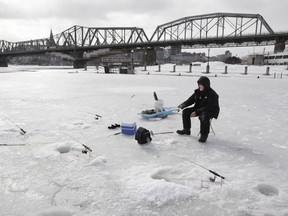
column 50, row 176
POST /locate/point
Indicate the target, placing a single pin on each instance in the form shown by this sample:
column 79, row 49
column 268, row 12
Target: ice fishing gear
column 143, row 136
column 11, row 144
column 128, row 128
column 159, row 104
column 159, row 111
column 86, row 148
column 22, row 131
column 155, row 96
column 153, row 114
column 211, row 171
column 114, row 134
column 113, row 126
column 166, row 132
column 97, row 117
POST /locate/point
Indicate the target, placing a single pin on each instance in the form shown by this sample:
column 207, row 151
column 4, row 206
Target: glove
column 181, row 106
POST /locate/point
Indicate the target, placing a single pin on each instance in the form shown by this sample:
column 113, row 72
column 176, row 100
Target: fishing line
column 211, row 171
column 86, row 148
column 22, row 131
column 96, row 116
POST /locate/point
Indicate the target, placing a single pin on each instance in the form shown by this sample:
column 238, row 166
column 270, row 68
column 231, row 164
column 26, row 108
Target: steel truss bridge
column 209, row 30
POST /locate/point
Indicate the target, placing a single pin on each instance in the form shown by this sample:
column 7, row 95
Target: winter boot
column 184, row 132
column 203, row 138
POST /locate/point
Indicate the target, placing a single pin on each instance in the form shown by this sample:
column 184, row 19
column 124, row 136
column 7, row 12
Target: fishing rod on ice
column 166, row 132
column 211, row 171
column 86, row 148
column 96, row 116
column 22, row 131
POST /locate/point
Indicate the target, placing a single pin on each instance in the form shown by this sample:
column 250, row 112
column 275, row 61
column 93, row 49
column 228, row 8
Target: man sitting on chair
column 206, row 107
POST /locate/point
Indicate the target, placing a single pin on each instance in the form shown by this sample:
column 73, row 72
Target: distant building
column 186, row 58
column 255, row 59
column 225, row 56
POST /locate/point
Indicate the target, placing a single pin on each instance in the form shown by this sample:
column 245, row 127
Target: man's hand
column 193, row 114
column 181, row 106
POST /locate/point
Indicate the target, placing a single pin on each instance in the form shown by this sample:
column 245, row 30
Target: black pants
column 203, row 117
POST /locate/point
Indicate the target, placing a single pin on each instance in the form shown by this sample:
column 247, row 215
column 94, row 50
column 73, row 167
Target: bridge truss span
column 208, row 30
column 79, row 36
column 216, row 26
column 23, row 46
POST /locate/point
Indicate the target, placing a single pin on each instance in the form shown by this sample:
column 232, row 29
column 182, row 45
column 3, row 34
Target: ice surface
column 51, row 176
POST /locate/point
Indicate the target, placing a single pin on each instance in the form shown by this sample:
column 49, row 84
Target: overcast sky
column 22, row 20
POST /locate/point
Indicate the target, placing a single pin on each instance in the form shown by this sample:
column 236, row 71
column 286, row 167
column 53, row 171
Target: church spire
column 51, row 42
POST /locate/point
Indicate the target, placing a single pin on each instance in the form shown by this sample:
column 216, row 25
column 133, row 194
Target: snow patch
column 63, row 148
column 52, row 151
column 55, row 211
column 147, row 184
column 279, row 146
column 99, row 161
column 16, row 186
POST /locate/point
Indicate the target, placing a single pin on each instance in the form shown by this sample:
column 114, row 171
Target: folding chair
column 210, row 127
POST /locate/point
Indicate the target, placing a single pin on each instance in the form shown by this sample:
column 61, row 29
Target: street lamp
column 145, row 66
column 85, row 62
column 131, row 67
column 132, row 56
column 208, row 65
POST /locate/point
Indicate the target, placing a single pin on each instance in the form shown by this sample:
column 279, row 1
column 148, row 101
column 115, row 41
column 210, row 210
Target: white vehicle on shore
column 277, row 58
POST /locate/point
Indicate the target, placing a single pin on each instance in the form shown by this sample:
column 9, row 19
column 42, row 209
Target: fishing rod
column 166, row 132
column 11, row 144
column 155, row 96
column 86, row 150
column 96, row 116
column 22, row 131
column 211, row 171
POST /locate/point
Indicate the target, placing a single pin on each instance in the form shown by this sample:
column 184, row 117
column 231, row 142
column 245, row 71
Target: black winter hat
column 204, row 81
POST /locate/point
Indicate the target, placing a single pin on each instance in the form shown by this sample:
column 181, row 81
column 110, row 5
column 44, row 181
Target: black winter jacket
column 206, row 101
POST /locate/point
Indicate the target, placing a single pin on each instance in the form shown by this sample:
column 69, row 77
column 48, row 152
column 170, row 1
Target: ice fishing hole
column 267, row 190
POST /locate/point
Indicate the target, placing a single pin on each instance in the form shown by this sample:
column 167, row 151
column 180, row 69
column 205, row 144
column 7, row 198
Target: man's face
column 201, row 87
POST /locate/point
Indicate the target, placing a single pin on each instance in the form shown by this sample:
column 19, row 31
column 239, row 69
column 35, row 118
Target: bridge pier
column 279, row 46
column 149, row 57
column 79, row 63
column 3, row 62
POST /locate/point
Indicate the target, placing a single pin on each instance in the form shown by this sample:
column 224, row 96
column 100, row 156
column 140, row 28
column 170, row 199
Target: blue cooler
column 128, row 129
